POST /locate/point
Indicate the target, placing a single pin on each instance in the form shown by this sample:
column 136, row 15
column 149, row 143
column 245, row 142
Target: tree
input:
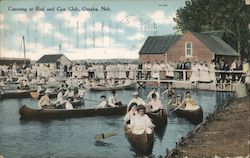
column 232, row 16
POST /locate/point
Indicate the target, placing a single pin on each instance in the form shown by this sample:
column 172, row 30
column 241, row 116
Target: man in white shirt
column 44, row 101
column 112, row 101
column 69, row 93
column 103, row 103
column 136, row 99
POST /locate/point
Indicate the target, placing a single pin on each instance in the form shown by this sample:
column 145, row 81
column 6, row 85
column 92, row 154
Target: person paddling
column 44, row 101
column 189, row 102
column 112, row 101
column 103, row 103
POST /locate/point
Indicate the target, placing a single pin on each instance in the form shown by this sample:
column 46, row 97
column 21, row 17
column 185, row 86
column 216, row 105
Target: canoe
column 195, row 115
column 142, row 144
column 105, row 88
column 31, row 113
column 11, row 94
column 158, row 118
column 35, row 95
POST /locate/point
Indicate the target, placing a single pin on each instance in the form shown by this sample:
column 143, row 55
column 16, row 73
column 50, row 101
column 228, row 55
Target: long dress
column 212, row 72
column 195, row 74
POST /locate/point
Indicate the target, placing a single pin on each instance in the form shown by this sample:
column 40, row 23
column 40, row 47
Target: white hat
column 135, row 93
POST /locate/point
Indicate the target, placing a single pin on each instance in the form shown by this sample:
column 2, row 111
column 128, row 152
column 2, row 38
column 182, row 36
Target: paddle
column 175, row 109
column 102, row 136
column 91, row 100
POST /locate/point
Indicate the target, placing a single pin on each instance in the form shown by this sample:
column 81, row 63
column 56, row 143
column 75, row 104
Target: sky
column 106, row 29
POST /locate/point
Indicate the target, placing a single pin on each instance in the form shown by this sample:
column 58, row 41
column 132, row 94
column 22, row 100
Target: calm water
column 75, row 137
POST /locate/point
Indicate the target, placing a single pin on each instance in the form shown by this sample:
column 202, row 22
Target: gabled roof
column 51, row 58
column 158, row 44
column 216, row 44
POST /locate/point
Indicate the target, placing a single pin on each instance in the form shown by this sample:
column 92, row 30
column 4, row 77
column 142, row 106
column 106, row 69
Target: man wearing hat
column 136, row 99
column 69, row 93
column 44, row 101
column 112, row 101
column 103, row 103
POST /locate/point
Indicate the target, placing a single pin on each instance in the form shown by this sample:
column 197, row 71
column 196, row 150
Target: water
column 75, row 137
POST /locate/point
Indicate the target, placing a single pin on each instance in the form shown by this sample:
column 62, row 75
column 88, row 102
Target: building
column 53, row 61
column 205, row 46
column 11, row 61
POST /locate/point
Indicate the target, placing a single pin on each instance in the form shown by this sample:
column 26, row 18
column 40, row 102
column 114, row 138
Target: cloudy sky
column 83, row 29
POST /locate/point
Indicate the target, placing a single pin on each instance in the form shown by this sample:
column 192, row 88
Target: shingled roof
column 218, row 33
column 213, row 40
column 216, row 44
column 51, row 58
column 158, row 44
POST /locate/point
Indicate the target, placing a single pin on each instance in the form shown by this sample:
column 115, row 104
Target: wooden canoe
column 142, row 144
column 35, row 95
column 105, row 88
column 195, row 116
column 11, row 94
column 31, row 113
column 158, row 118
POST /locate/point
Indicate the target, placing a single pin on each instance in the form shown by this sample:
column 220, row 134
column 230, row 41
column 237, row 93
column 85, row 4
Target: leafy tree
column 232, row 16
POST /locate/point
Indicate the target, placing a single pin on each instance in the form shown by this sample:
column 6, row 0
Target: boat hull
column 12, row 94
column 159, row 118
column 103, row 88
column 195, row 116
column 142, row 144
column 30, row 113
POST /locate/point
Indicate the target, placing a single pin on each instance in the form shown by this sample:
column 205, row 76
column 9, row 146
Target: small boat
column 119, row 87
column 31, row 113
column 194, row 115
column 35, row 95
column 158, row 118
column 142, row 144
column 17, row 93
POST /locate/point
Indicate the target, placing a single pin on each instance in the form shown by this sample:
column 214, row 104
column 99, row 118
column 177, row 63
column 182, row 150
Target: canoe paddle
column 91, row 100
column 102, row 136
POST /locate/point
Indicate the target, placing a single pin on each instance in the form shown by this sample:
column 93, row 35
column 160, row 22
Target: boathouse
column 204, row 46
column 53, row 61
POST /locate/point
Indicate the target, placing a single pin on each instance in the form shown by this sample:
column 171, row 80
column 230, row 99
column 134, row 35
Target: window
column 188, row 49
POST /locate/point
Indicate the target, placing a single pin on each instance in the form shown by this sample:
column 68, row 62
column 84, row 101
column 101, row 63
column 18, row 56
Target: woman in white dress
column 212, row 72
column 141, row 122
column 195, row 73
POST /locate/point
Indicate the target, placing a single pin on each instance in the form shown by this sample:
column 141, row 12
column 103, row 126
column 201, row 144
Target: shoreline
column 224, row 133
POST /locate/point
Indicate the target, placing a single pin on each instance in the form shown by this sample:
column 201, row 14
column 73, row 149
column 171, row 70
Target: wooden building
column 53, row 61
column 205, row 46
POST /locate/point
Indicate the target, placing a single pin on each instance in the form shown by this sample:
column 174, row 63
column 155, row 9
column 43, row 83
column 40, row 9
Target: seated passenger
column 103, row 103
column 112, row 101
column 136, row 99
column 155, row 104
column 129, row 115
column 141, row 122
column 44, row 101
column 189, row 102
